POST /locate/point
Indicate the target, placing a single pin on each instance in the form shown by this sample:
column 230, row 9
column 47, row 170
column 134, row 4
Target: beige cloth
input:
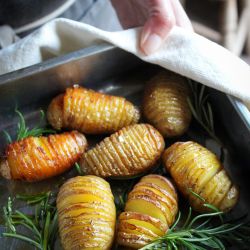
column 183, row 52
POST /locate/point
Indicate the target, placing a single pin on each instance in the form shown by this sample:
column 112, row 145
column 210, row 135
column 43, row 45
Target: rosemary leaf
column 32, row 199
column 23, row 131
column 188, row 218
column 8, row 216
column 7, row 136
column 176, row 221
column 198, row 233
column 53, row 229
column 46, row 231
column 78, row 169
column 201, row 109
column 28, row 222
column 42, row 223
column 23, row 238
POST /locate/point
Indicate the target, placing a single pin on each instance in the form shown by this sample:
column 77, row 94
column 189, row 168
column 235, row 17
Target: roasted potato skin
column 91, row 112
column 86, row 213
column 37, row 158
column 165, row 104
column 195, row 168
column 137, row 225
column 128, row 152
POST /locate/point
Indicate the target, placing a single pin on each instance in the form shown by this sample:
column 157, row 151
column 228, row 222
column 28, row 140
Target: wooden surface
column 226, row 22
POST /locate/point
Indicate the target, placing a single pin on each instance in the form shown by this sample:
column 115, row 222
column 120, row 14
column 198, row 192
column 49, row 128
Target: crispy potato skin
column 130, row 151
column 55, row 113
column 38, row 158
column 194, row 167
column 91, row 112
column 137, row 225
column 86, row 214
column 165, row 104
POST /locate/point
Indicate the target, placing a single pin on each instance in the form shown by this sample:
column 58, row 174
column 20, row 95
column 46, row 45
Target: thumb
column 161, row 21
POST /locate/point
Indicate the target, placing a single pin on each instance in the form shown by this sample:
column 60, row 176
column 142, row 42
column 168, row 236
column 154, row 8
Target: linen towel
column 183, row 52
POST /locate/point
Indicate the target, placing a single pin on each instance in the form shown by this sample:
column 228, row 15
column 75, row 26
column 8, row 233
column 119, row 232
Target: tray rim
column 241, row 109
column 7, row 78
column 54, row 62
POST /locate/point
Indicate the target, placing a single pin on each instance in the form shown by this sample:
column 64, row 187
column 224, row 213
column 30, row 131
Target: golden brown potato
column 149, row 212
column 165, row 104
column 130, row 151
column 38, row 158
column 86, row 213
column 91, row 112
column 195, row 168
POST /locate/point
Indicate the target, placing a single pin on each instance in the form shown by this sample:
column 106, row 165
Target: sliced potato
column 149, row 212
column 146, row 204
column 165, row 104
column 91, row 112
column 38, row 158
column 149, row 222
column 167, row 202
column 86, row 213
column 195, row 168
column 130, row 151
column 162, row 182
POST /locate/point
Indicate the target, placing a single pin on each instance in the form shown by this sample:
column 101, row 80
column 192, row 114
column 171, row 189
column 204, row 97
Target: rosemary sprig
column 32, row 199
column 198, row 233
column 202, row 236
column 78, row 169
column 201, row 109
column 120, row 199
column 23, row 131
column 7, row 137
column 42, row 224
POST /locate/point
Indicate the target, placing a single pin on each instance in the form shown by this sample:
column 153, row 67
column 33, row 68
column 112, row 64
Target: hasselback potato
column 86, row 213
column 91, row 112
column 195, row 168
column 38, row 158
column 130, row 151
column 149, row 211
column 165, row 104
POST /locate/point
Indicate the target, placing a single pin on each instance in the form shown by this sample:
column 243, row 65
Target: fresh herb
column 42, row 224
column 198, row 233
column 201, row 109
column 78, row 169
column 120, row 199
column 120, row 202
column 203, row 236
column 23, row 131
column 7, row 137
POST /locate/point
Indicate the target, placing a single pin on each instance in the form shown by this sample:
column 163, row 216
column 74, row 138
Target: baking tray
column 111, row 70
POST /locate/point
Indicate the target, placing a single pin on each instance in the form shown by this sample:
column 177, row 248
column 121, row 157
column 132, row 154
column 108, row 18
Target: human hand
column 156, row 16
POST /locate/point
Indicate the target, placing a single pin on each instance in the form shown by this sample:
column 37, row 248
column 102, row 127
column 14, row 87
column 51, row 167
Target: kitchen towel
column 183, row 52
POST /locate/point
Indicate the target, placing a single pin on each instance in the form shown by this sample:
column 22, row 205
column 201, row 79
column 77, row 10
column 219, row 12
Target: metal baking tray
column 110, row 70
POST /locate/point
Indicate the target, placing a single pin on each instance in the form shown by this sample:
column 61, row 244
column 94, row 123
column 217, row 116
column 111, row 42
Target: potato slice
column 160, row 182
column 38, row 158
column 132, row 240
column 165, row 104
column 91, row 112
column 195, row 168
column 86, row 216
column 149, row 212
column 146, row 205
column 164, row 198
column 130, row 151
column 151, row 223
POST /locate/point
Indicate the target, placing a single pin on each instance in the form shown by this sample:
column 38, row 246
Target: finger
column 156, row 29
column 181, row 17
